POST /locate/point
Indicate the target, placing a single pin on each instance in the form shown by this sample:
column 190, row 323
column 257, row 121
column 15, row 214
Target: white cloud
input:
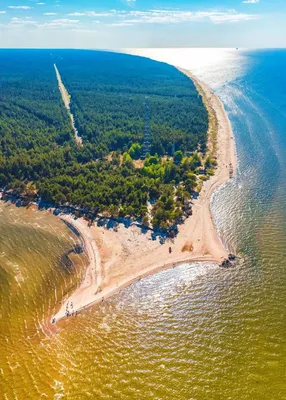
column 21, row 7
column 2, row 12
column 121, row 24
column 17, row 22
column 175, row 16
column 234, row 17
column 55, row 24
column 125, row 18
column 251, row 1
column 166, row 16
column 40, row 4
column 93, row 14
column 60, row 23
column 76, row 14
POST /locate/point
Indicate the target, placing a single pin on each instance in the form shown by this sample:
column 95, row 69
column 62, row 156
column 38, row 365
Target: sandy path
column 126, row 255
column 67, row 100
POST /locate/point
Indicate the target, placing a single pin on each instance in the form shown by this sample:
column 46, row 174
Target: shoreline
column 119, row 257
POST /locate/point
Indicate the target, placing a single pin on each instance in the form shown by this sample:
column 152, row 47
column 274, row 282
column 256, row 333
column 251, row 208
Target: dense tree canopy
column 108, row 100
column 108, row 92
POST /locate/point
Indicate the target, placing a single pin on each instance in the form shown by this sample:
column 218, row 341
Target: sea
column 196, row 332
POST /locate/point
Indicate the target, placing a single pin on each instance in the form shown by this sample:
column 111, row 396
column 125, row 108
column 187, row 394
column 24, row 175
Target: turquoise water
column 192, row 333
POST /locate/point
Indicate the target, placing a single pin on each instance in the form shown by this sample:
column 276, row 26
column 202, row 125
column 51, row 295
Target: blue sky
column 142, row 23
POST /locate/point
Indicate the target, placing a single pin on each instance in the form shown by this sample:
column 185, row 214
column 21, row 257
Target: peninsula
column 127, row 255
column 134, row 146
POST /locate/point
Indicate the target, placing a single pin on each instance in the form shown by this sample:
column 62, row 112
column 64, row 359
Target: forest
column 109, row 93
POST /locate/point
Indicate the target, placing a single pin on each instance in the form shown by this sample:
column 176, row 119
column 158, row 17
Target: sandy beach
column 118, row 257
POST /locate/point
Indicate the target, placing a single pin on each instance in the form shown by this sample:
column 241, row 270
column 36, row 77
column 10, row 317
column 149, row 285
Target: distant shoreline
column 119, row 258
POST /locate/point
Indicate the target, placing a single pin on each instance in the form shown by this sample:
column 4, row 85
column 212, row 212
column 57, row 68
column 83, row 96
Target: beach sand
column 122, row 256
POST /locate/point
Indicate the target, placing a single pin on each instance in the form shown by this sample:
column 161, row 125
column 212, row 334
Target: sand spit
column 118, row 257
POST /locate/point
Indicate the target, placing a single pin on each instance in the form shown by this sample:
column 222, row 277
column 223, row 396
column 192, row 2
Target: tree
column 37, row 145
column 31, row 190
column 145, row 220
column 197, row 160
column 178, row 156
column 191, row 182
column 135, row 151
column 208, row 162
column 127, row 160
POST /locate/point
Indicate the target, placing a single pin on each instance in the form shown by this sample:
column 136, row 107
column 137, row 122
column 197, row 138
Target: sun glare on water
column 201, row 61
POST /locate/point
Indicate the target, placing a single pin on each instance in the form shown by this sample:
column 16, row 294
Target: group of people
column 70, row 313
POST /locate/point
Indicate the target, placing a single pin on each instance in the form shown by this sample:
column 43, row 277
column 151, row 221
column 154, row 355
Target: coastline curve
column 119, row 259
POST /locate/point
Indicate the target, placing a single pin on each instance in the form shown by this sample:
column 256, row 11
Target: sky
column 112, row 24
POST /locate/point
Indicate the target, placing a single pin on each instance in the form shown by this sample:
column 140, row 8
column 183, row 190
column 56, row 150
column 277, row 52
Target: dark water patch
column 66, row 261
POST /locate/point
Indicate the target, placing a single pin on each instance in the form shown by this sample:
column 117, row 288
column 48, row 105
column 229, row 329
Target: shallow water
column 191, row 333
